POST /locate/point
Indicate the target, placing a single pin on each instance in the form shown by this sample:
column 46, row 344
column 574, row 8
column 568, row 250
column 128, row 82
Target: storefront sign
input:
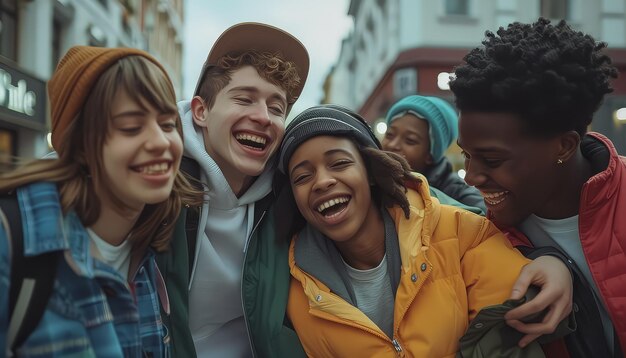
column 16, row 98
column 22, row 97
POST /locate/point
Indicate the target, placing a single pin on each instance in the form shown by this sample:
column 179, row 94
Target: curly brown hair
column 270, row 66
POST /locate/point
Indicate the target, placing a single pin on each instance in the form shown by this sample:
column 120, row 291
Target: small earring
column 559, row 161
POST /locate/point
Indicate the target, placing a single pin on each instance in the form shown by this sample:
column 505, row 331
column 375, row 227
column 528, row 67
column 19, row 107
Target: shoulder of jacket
column 464, row 221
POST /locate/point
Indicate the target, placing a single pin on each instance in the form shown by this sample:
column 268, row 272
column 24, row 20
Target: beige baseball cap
column 263, row 38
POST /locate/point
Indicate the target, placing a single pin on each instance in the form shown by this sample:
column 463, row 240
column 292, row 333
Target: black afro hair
column 553, row 77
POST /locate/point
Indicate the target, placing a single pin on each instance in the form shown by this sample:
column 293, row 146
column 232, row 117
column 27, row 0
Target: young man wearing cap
column 232, row 127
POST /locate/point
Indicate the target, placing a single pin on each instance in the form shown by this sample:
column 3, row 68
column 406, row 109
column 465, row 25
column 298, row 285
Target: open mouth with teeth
column 251, row 141
column 333, row 207
column 494, row 198
column 153, row 169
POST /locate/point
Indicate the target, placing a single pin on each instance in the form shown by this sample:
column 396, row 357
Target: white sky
column 320, row 25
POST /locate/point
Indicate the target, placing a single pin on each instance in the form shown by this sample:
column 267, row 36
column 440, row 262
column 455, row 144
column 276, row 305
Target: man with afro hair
column 526, row 98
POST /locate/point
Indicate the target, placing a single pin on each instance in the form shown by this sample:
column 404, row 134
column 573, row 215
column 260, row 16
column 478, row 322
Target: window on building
column 352, row 64
column 382, row 4
column 104, row 3
column 370, row 24
column 404, row 82
column 457, row 7
column 126, row 15
column 613, row 6
column 63, row 17
column 361, row 44
column 554, row 9
column 8, row 29
column 57, row 29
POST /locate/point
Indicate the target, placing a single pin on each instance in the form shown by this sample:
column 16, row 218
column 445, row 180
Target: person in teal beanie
column 421, row 129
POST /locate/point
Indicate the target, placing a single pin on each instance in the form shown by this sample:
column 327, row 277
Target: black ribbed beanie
column 328, row 119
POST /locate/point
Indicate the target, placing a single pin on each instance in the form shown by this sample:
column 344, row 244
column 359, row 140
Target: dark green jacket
column 488, row 335
column 174, row 266
column 265, row 289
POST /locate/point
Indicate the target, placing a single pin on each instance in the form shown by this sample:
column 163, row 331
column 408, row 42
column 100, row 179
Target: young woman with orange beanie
column 100, row 210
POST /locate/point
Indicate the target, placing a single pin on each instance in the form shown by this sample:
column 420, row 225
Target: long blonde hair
column 79, row 168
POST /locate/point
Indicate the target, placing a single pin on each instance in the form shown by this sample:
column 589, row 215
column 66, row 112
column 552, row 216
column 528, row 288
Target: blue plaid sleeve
column 5, row 273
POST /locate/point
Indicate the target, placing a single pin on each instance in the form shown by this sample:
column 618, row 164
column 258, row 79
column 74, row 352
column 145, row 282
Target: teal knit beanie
column 441, row 117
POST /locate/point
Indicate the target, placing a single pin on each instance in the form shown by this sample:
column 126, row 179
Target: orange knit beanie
column 73, row 79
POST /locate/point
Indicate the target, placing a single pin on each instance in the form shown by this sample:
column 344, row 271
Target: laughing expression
column 245, row 125
column 514, row 171
column 330, row 185
column 141, row 153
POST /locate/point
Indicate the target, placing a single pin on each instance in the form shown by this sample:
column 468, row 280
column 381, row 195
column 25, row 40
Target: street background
column 365, row 54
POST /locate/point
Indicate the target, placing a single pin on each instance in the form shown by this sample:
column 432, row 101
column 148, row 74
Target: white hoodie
column 215, row 307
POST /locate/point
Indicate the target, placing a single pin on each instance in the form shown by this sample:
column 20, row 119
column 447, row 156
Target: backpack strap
column 32, row 279
column 192, row 169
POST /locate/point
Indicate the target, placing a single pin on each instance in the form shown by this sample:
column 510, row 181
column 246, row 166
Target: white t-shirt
column 117, row 257
column 374, row 297
column 564, row 234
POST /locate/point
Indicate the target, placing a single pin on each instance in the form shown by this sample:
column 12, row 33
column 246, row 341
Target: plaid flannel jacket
column 92, row 312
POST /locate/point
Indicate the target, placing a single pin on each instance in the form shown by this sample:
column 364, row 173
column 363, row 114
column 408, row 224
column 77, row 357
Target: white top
column 564, row 234
column 374, row 297
column 117, row 257
column 215, row 307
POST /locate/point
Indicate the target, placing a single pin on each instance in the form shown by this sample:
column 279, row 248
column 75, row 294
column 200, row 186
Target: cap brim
column 262, row 38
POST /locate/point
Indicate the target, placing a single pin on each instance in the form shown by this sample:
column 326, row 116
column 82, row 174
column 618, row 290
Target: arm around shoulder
column 490, row 265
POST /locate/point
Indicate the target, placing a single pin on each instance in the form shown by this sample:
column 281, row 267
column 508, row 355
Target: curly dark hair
column 389, row 172
column 552, row 76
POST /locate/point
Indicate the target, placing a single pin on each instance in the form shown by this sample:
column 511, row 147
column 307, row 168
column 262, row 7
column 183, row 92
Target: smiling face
column 245, row 125
column 330, row 185
column 141, row 153
column 408, row 137
column 516, row 173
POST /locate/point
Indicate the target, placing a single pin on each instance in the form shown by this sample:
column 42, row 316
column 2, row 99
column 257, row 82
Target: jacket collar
column 606, row 163
column 47, row 230
column 416, row 231
column 315, row 254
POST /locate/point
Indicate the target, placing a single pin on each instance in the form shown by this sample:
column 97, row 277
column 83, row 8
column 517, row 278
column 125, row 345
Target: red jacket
column 602, row 227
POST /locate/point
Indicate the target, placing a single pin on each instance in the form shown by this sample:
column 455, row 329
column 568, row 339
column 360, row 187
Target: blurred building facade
column 403, row 47
column 35, row 34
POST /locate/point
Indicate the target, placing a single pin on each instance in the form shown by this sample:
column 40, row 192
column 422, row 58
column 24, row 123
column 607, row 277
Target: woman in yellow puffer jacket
column 381, row 268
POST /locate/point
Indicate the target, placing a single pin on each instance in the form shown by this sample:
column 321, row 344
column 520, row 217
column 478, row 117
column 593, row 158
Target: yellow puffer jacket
column 453, row 263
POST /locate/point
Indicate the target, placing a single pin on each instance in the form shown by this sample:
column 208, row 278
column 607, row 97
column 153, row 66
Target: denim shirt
column 92, row 311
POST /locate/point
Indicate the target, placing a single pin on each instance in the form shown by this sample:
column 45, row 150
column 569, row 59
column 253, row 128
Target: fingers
column 546, row 326
column 536, row 305
column 554, row 279
column 521, row 285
